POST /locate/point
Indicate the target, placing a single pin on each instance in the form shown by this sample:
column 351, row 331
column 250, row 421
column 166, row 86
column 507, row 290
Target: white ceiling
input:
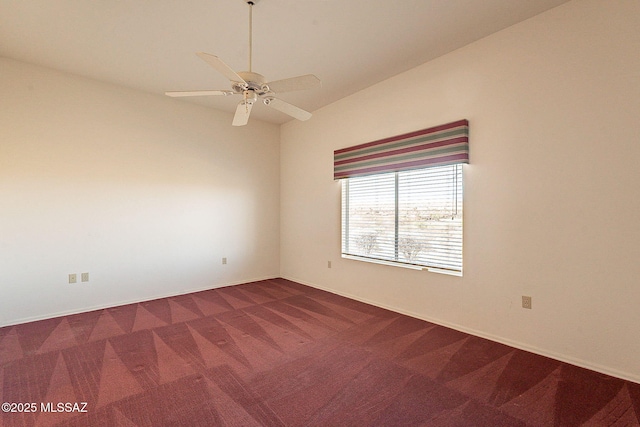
column 150, row 44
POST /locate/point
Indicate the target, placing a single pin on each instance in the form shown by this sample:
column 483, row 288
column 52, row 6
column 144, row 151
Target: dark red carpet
column 277, row 353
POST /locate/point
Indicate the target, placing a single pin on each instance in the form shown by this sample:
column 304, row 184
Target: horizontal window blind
column 411, row 217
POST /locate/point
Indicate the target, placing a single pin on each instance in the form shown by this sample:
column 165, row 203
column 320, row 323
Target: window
column 411, row 218
column 402, row 198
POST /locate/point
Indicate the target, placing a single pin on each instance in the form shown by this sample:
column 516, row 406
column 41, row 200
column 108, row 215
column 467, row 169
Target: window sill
column 402, row 265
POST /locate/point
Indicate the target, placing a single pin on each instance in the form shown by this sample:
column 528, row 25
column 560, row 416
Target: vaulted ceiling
column 150, row 45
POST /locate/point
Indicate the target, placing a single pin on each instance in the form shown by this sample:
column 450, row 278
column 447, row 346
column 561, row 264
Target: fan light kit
column 253, row 85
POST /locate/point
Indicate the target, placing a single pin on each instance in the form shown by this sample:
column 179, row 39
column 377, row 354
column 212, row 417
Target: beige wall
column 144, row 192
column 551, row 195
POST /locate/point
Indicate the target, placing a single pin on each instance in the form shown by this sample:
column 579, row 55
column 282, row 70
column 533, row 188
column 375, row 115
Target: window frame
column 345, row 239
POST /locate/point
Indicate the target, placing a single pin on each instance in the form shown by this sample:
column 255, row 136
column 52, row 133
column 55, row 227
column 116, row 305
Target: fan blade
column 178, row 93
column 243, row 111
column 308, row 81
column 220, row 66
column 290, row 109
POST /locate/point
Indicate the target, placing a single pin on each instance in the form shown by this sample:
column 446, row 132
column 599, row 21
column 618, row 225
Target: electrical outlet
column 73, row 278
column 84, row 277
column 224, row 261
column 526, row 302
column 328, row 264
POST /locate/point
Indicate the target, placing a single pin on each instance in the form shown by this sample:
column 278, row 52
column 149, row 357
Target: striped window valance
column 437, row 146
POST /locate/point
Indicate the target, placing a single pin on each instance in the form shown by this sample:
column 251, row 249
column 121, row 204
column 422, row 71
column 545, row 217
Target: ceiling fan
column 253, row 85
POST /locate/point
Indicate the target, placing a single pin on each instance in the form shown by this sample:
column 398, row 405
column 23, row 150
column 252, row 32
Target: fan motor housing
column 255, row 82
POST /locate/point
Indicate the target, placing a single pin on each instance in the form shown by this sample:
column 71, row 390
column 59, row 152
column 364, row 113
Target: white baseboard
column 134, row 301
column 516, row 344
